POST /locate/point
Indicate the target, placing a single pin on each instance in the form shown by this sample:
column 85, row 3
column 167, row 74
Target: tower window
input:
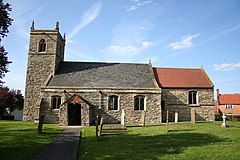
column 56, row 102
column 139, row 103
column 113, row 102
column 42, row 46
column 192, row 98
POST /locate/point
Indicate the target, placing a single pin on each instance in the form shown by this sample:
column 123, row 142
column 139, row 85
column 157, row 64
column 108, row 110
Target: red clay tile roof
column 229, row 98
column 182, row 78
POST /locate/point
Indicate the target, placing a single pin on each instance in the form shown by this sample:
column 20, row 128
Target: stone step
column 113, row 131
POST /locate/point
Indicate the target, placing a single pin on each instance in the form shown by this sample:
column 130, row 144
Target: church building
column 74, row 93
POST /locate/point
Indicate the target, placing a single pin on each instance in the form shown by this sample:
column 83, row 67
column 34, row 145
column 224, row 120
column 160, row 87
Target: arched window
column 139, row 103
column 42, row 46
column 113, row 102
column 56, row 102
column 192, row 97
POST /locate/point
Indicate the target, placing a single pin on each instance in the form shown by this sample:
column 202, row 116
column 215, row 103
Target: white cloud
column 186, row 42
column 137, row 4
column 226, row 66
column 131, row 32
column 120, row 49
column 147, row 44
column 91, row 14
column 128, row 50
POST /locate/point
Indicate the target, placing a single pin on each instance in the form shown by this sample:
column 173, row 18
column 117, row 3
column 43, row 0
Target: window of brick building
column 229, row 106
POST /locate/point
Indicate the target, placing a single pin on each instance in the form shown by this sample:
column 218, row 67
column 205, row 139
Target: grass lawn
column 184, row 141
column 20, row 141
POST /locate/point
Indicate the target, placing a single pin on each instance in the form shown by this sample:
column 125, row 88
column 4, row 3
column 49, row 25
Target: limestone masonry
column 74, row 93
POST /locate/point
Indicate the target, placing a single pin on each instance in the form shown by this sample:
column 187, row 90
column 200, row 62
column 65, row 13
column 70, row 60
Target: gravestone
column 224, row 124
column 193, row 115
column 176, row 117
column 97, row 130
column 123, row 117
column 40, row 124
column 167, row 121
column 142, row 120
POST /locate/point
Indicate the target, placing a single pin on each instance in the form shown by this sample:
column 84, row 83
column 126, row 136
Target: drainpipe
column 100, row 100
column 218, row 100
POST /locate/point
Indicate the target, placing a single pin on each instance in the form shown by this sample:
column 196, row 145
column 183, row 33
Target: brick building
column 228, row 103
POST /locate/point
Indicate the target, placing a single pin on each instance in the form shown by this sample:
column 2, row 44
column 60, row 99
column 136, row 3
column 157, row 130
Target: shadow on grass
column 135, row 146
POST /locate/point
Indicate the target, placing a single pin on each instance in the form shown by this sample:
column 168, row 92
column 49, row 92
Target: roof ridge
column 229, row 94
column 176, row 68
column 104, row 62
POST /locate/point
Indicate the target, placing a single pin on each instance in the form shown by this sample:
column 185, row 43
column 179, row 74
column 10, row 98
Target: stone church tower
column 46, row 51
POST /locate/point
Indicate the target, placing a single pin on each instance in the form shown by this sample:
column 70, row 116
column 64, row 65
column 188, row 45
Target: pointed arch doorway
column 74, row 114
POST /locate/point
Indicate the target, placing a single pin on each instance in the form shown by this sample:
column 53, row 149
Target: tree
column 5, row 22
column 10, row 99
column 3, row 63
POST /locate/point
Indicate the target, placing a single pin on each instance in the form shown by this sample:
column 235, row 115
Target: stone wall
column 177, row 101
column 40, row 67
column 94, row 98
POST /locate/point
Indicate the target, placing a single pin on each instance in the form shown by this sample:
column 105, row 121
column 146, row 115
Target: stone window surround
column 229, row 106
column 118, row 103
column 39, row 45
column 56, row 98
column 145, row 102
column 197, row 99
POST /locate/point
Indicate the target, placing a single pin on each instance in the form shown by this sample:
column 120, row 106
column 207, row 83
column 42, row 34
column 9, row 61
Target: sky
column 170, row 33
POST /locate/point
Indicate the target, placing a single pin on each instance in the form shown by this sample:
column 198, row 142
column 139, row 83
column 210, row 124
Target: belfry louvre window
column 42, row 46
column 113, row 102
column 139, row 102
column 192, row 97
column 56, row 102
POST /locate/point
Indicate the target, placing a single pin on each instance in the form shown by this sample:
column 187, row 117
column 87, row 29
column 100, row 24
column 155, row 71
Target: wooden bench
column 103, row 129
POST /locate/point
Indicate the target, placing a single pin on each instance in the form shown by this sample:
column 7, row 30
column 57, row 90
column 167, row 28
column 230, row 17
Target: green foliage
column 10, row 99
column 3, row 63
column 5, row 22
column 184, row 141
column 20, row 140
column 8, row 117
column 236, row 118
column 218, row 117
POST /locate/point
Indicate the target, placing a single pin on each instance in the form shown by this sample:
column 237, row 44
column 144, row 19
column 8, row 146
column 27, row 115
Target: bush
column 7, row 117
column 236, row 118
column 218, row 117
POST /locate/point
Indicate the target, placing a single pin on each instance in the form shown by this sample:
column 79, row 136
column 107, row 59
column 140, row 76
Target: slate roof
column 98, row 74
column 229, row 98
column 182, row 78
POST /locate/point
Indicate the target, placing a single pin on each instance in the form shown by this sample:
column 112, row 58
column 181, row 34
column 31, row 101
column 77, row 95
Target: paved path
column 64, row 146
